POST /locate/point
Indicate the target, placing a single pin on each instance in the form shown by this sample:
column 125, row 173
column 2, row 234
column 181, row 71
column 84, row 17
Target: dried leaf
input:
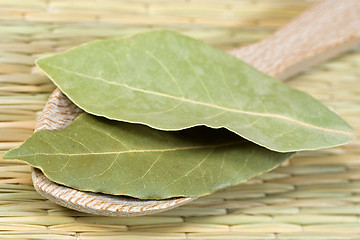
column 171, row 82
column 100, row 155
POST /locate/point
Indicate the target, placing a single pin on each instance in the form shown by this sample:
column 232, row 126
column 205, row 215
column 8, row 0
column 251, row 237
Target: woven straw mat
column 315, row 195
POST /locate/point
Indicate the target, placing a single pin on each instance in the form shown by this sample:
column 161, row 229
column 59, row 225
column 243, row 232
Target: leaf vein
column 173, row 79
column 138, row 150
column 259, row 114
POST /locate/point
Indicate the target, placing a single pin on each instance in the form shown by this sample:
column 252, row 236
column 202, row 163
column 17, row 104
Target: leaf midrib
column 259, row 114
column 137, row 150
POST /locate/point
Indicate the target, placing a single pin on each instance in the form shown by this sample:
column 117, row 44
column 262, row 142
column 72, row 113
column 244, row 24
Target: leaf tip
column 16, row 153
column 9, row 155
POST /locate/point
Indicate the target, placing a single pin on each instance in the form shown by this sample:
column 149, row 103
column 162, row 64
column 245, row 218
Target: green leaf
column 101, row 155
column 170, row 82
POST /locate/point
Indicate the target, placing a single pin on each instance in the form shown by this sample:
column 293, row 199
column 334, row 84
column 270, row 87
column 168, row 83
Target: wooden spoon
column 327, row 29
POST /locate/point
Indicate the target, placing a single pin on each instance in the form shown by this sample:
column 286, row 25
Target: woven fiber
column 315, row 195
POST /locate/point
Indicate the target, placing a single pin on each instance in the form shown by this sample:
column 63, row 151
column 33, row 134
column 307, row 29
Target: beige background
column 313, row 196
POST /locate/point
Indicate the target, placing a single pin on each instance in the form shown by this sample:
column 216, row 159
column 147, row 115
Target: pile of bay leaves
column 167, row 115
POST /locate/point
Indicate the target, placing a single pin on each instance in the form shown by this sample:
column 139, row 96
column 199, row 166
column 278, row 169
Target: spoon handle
column 327, row 29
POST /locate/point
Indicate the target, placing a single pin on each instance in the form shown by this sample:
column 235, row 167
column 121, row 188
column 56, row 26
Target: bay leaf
column 101, row 155
column 171, row 82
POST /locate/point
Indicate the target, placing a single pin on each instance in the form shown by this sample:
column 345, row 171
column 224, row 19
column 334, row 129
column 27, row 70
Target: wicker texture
column 315, row 195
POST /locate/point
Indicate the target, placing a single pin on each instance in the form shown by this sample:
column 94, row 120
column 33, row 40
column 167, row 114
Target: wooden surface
column 313, row 196
column 320, row 33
